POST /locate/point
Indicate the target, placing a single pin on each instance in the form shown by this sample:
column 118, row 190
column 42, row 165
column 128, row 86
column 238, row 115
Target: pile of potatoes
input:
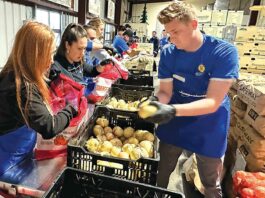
column 123, row 105
column 123, row 143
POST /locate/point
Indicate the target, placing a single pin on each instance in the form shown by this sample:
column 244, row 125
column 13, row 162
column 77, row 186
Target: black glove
column 163, row 114
column 106, row 62
column 53, row 75
column 153, row 98
column 73, row 110
column 150, row 99
column 110, row 50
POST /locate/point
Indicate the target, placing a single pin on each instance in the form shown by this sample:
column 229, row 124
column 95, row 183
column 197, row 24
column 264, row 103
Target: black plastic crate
column 127, row 93
column 138, row 79
column 135, row 72
column 74, row 183
column 143, row 170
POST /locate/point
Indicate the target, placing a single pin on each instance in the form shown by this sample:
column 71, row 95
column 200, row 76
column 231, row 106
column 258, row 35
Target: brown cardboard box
column 255, row 120
column 253, row 164
column 237, row 105
column 253, row 140
column 251, row 90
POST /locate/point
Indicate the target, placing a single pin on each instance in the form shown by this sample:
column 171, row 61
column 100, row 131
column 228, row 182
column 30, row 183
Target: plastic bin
column 142, row 81
column 74, row 183
column 127, row 93
column 143, row 170
column 136, row 72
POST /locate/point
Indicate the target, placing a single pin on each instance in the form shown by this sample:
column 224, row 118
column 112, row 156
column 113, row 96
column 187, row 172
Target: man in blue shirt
column 120, row 42
column 193, row 112
column 155, row 42
column 164, row 40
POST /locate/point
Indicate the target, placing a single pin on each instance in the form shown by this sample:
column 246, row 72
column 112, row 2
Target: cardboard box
column 237, row 105
column 255, row 120
column 253, row 164
column 251, row 138
column 252, row 92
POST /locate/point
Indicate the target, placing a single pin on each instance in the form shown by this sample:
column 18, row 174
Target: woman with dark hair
column 24, row 105
column 69, row 57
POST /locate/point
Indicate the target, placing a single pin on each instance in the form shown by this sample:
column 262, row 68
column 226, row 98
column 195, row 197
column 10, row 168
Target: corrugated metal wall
column 11, row 18
column 66, row 19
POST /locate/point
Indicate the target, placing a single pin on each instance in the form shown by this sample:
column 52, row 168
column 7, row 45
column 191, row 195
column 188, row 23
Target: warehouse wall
column 124, row 8
column 11, row 18
column 152, row 12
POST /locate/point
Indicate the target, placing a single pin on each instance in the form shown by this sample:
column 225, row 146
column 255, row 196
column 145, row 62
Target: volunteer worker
column 195, row 74
column 70, row 54
column 25, row 96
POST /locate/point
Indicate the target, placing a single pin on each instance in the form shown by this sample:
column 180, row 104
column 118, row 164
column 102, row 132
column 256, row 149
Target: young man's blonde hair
column 181, row 11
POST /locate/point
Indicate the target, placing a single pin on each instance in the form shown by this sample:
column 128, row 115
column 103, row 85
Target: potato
column 109, row 136
column 113, row 104
column 106, row 147
column 122, row 106
column 121, row 102
column 139, row 134
column 133, row 140
column 146, row 111
column 136, row 103
column 98, row 130
column 135, row 154
column 128, row 132
column 115, row 151
column 149, row 136
column 143, row 99
column 101, row 138
column 102, row 122
column 107, row 130
column 116, row 142
column 132, row 108
column 144, row 153
column 118, row 131
column 109, row 106
column 92, row 144
column 104, row 153
column 125, row 141
column 124, row 155
column 128, row 148
column 148, row 146
column 122, row 138
column 113, row 99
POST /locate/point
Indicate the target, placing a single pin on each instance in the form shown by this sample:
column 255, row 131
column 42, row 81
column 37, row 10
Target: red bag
column 105, row 79
column 63, row 90
column 249, row 185
column 114, row 71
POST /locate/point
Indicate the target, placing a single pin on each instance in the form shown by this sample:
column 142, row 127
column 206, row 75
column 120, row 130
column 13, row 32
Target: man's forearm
column 163, row 97
column 199, row 107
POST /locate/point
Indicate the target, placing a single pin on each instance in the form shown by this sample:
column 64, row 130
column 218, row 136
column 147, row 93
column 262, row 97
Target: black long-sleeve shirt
column 40, row 119
column 75, row 71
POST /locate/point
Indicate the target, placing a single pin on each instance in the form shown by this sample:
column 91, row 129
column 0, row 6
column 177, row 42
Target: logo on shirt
column 201, row 68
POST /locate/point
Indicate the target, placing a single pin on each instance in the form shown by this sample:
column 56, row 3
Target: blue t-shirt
column 163, row 41
column 191, row 73
column 93, row 61
column 120, row 45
